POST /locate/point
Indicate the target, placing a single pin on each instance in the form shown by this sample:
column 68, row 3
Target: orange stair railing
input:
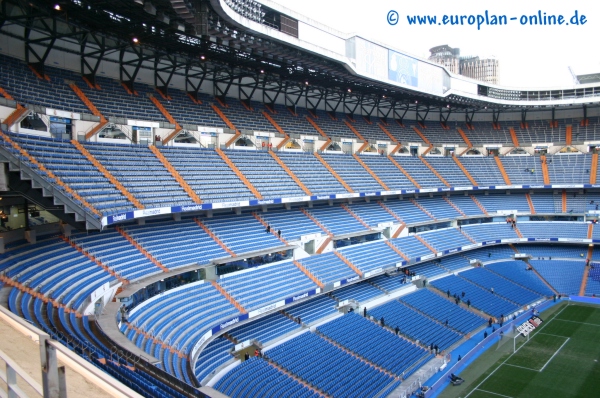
column 229, row 124
column 278, row 128
column 103, row 122
column 434, row 171
column 107, row 174
column 348, row 263
column 415, row 183
column 182, row 182
column 309, row 274
column 594, row 168
column 49, row 173
column 145, row 252
column 333, row 173
column 513, row 136
column 239, row 173
column 371, row 172
column 214, row 237
column 465, row 171
column 502, row 171
column 290, row 173
column 229, row 297
column 168, row 116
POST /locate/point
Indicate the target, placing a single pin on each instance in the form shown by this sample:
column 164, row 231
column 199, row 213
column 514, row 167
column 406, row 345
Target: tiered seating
column 114, row 101
column 328, row 367
column 415, row 325
column 178, row 317
column 241, row 233
column 411, row 247
column 292, row 124
column 265, row 174
column 267, row 381
column 333, row 128
column 482, row 299
column 388, row 283
column 489, row 231
column 371, row 213
column 438, row 208
column 407, row 211
column 352, row 172
column 428, row 269
column 453, row 263
column 554, row 251
column 387, row 172
column 327, row 268
column 564, row 276
column 142, row 174
column 484, row 170
column 490, row 253
column 312, row 173
column 176, row 244
column 439, row 136
column 517, row 272
column 419, row 172
column 215, row 354
column 592, row 286
column 546, row 203
column 117, row 253
column 257, row 287
column 293, row 224
column 569, row 169
column 553, row 229
column 265, row 329
column 371, row 256
column 336, row 219
column 445, row 239
column 360, row 292
column 501, row 286
column 466, row 204
column 199, row 167
column 184, row 111
column 523, row 169
column 370, row 131
column 484, row 134
column 442, row 310
column 449, row 170
column 74, row 169
column 497, row 201
column 406, row 135
column 372, row 342
column 245, row 119
column 313, row 310
column 26, row 88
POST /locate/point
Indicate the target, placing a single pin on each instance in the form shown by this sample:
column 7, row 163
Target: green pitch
column 561, row 359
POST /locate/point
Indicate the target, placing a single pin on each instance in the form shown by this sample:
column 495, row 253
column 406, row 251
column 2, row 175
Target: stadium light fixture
column 202, row 57
column 135, row 40
column 57, row 7
column 306, row 83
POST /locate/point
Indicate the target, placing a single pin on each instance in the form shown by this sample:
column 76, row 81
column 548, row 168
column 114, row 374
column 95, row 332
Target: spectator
column 382, row 321
column 397, row 330
column 492, row 290
column 490, row 321
column 365, row 312
column 448, row 293
column 279, row 233
column 462, row 294
column 485, row 335
column 446, row 323
column 469, row 303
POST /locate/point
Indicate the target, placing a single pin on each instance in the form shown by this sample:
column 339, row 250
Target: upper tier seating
column 142, row 174
column 517, row 272
column 199, row 168
column 564, row 276
column 501, row 286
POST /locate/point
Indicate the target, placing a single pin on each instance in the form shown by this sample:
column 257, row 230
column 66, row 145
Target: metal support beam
column 421, row 114
column 400, row 116
column 194, row 77
column 92, row 48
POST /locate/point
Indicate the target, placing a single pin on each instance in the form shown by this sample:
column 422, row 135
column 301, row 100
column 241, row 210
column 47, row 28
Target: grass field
column 561, row 359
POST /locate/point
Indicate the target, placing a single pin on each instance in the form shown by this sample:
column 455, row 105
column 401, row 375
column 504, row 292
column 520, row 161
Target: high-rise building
column 485, row 70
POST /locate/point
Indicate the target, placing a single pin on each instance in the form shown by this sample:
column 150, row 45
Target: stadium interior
column 200, row 202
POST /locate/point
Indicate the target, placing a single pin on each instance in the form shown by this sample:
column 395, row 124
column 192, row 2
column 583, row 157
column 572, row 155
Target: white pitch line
column 495, row 393
column 510, row 356
column 522, row 367
column 555, row 335
column 559, row 348
column 581, row 323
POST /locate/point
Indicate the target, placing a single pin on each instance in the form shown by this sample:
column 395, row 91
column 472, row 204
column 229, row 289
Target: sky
column 530, row 56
